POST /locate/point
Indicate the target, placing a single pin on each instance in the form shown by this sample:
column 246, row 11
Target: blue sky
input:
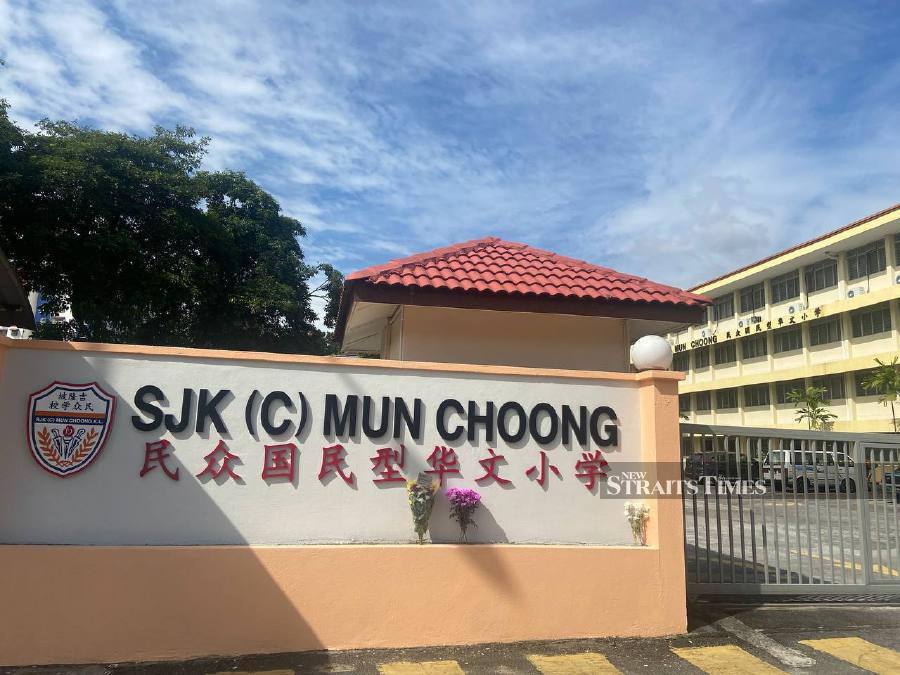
column 672, row 140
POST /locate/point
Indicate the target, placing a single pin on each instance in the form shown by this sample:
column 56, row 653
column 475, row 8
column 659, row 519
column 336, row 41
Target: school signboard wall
column 133, row 474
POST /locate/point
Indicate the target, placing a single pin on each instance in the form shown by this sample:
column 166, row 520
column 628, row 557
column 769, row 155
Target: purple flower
column 463, row 502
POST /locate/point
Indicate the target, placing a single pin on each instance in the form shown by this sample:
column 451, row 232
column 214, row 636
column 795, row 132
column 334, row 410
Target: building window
column 725, row 353
column 859, row 377
column 701, row 358
column 753, row 297
column 753, row 347
column 727, row 398
column 756, row 396
column 866, row 260
column 682, row 361
column 702, row 401
column 832, row 384
column 788, row 339
column 786, row 286
column 871, row 321
column 825, row 331
column 821, row 275
column 782, row 389
column 897, row 250
column 684, row 403
column 722, row 307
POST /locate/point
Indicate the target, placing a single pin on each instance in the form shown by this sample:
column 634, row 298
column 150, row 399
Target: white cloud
column 674, row 141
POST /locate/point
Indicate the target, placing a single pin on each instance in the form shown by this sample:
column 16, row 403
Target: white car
column 801, row 470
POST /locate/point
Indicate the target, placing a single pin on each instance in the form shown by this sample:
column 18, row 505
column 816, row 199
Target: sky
column 672, row 140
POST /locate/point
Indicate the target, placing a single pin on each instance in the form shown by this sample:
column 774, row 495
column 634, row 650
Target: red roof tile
column 491, row 266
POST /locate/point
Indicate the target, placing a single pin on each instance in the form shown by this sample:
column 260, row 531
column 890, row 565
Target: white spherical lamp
column 651, row 352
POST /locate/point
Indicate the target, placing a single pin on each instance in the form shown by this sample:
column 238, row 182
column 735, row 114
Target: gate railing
column 784, row 511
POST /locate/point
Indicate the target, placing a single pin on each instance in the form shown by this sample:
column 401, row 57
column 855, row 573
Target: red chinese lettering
column 490, row 468
column 333, row 462
column 542, row 472
column 443, row 460
column 278, row 461
column 218, row 462
column 591, row 467
column 389, row 461
column 155, row 455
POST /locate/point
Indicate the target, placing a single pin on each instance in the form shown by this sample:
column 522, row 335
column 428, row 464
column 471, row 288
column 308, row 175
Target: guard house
column 494, row 302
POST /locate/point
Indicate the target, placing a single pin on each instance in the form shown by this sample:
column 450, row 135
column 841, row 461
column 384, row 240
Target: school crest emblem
column 68, row 425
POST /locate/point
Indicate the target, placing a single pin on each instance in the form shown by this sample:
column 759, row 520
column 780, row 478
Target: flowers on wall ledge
column 463, row 503
column 637, row 515
column 421, row 500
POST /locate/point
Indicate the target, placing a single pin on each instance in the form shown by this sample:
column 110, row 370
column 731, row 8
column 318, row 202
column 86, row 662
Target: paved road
column 724, row 638
column 812, row 538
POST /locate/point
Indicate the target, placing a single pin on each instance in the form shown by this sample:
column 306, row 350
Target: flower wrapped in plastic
column 637, row 515
column 421, row 500
column 463, row 503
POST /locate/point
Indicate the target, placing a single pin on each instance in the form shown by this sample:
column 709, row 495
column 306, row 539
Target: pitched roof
column 491, row 266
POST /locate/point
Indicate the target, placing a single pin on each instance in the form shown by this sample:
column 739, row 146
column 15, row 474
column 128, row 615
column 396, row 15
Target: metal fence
column 781, row 511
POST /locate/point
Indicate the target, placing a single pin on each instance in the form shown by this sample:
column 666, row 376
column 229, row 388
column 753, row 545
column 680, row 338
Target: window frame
column 784, row 332
column 728, row 346
column 728, row 299
column 858, row 318
column 752, row 391
column 865, row 254
column 785, row 281
column 754, row 339
column 731, row 391
column 829, row 272
column 700, row 396
column 751, row 293
column 825, row 381
column 782, row 390
column 697, row 353
column 818, row 324
column 686, row 355
column 682, row 398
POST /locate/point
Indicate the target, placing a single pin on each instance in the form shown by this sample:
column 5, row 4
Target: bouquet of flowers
column 463, row 503
column 637, row 516
column 421, row 500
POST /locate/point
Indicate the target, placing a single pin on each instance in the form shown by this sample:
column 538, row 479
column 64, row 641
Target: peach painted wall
column 448, row 335
column 162, row 602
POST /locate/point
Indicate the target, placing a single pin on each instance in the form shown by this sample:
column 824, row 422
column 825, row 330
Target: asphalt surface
column 723, row 637
column 814, row 538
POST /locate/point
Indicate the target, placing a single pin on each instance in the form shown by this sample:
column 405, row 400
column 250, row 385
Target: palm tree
column 813, row 411
column 885, row 380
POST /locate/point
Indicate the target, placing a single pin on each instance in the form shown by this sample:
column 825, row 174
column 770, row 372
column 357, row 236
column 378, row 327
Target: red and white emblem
column 68, row 425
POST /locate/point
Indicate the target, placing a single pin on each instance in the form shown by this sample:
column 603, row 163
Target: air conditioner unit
column 856, row 291
column 897, row 279
column 704, row 333
column 796, row 308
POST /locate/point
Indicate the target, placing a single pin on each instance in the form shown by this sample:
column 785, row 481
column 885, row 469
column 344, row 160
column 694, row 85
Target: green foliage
column 812, row 410
column 144, row 247
column 885, row 381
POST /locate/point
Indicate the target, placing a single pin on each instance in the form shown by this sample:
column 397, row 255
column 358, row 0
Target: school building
column 817, row 314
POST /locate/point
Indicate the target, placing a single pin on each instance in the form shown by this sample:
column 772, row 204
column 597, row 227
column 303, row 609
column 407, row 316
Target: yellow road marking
column 423, row 667
column 725, row 659
column 883, row 570
column 588, row 663
column 859, row 652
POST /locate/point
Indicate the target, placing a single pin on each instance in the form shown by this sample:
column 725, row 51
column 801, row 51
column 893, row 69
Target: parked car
column 809, row 470
column 720, row 464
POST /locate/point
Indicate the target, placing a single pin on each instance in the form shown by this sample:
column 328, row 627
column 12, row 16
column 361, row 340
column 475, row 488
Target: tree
column 813, row 408
column 885, row 380
column 330, row 291
column 144, row 247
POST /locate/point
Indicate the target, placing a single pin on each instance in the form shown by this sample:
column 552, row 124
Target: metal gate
column 792, row 512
